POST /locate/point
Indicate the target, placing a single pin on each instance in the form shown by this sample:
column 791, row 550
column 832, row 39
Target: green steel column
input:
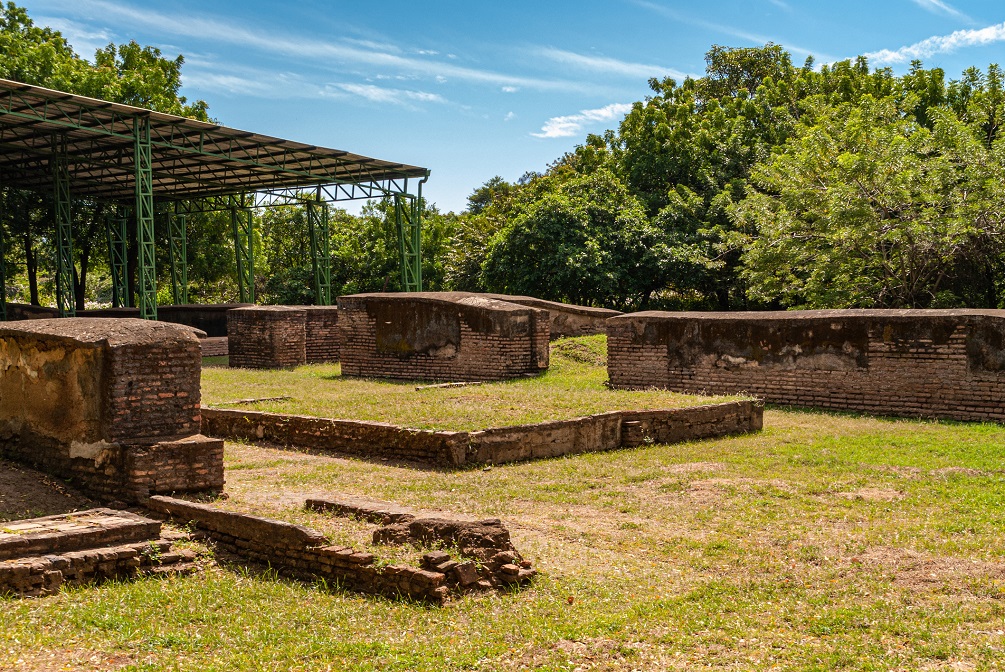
column 116, row 226
column 147, row 263
column 407, row 217
column 317, row 220
column 64, row 228
column 243, row 226
column 3, row 279
column 178, row 248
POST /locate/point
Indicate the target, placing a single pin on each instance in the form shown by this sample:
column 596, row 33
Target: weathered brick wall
column 267, row 337
column 931, row 363
column 105, row 402
column 606, row 431
column 440, row 336
column 565, row 319
column 321, row 329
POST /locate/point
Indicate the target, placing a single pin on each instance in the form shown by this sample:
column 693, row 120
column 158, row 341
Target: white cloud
column 378, row 94
column 940, row 7
column 84, row 39
column 510, row 89
column 781, row 4
column 939, row 44
column 510, row 116
column 571, row 125
column 343, row 51
column 609, row 65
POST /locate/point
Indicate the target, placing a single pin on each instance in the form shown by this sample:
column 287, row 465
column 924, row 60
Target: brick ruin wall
column 606, row 431
column 917, row 363
column 112, row 403
column 278, row 337
column 321, row 326
column 440, row 336
column 266, row 337
column 565, row 320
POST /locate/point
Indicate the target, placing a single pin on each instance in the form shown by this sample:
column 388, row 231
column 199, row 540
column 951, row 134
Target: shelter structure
column 153, row 166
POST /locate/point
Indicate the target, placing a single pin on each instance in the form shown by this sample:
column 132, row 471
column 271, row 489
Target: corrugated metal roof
column 190, row 159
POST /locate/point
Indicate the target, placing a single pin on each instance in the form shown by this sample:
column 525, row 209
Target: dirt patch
column 915, row 570
column 693, row 467
column 871, row 495
column 958, row 471
column 26, row 493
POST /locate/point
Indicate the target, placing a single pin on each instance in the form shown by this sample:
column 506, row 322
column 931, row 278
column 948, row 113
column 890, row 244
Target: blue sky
column 477, row 89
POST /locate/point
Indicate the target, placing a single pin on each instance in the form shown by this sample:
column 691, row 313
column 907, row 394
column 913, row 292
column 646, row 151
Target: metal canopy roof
column 189, row 159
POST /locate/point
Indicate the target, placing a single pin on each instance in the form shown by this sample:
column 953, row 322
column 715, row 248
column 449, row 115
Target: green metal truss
column 65, row 300
column 3, row 278
column 408, row 219
column 147, row 266
column 317, row 220
column 243, row 227
column 178, row 251
column 116, row 225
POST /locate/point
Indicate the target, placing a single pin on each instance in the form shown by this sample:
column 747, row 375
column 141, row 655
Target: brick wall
column 321, row 329
column 565, row 319
column 440, row 336
column 111, row 403
column 928, row 363
column 267, row 337
column 605, row 431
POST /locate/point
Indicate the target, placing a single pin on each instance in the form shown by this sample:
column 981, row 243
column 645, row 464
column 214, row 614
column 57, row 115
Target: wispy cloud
column 680, row 17
column 606, row 65
column 939, row 44
column 85, row 40
column 386, row 96
column 781, row 4
column 571, row 125
column 940, row 7
column 359, row 53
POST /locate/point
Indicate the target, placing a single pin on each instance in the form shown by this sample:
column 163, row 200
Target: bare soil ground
column 26, row 493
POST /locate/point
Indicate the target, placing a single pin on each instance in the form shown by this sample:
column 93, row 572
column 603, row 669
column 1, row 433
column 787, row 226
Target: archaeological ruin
column 919, row 363
column 113, row 404
column 440, row 336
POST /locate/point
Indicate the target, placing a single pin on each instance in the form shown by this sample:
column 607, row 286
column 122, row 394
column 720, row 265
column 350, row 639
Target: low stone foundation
column 266, row 337
column 111, row 403
column 606, row 431
column 305, row 554
column 917, row 363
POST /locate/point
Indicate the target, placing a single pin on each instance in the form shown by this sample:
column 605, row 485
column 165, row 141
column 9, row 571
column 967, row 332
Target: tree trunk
column 31, row 266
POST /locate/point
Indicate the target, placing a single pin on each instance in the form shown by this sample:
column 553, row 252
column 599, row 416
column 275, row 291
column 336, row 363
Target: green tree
column 867, row 208
column 585, row 241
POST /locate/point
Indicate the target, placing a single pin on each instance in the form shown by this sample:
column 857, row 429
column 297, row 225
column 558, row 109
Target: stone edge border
column 601, row 432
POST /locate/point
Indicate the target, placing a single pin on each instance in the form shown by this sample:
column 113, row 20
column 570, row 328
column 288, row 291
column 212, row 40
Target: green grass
column 573, row 386
column 825, row 542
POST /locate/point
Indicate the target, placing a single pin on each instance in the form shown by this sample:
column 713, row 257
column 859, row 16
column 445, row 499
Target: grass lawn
column 824, row 542
column 827, row 541
column 573, row 386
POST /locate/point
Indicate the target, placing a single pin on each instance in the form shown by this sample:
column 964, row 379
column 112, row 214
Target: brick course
column 916, row 363
column 111, row 403
column 606, row 431
column 440, row 336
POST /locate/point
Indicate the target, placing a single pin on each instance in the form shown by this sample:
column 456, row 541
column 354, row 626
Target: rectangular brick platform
column 113, row 404
column 440, row 336
column 917, row 363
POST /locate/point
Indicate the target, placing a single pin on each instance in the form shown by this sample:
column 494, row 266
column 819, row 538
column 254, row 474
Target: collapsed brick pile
column 488, row 558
